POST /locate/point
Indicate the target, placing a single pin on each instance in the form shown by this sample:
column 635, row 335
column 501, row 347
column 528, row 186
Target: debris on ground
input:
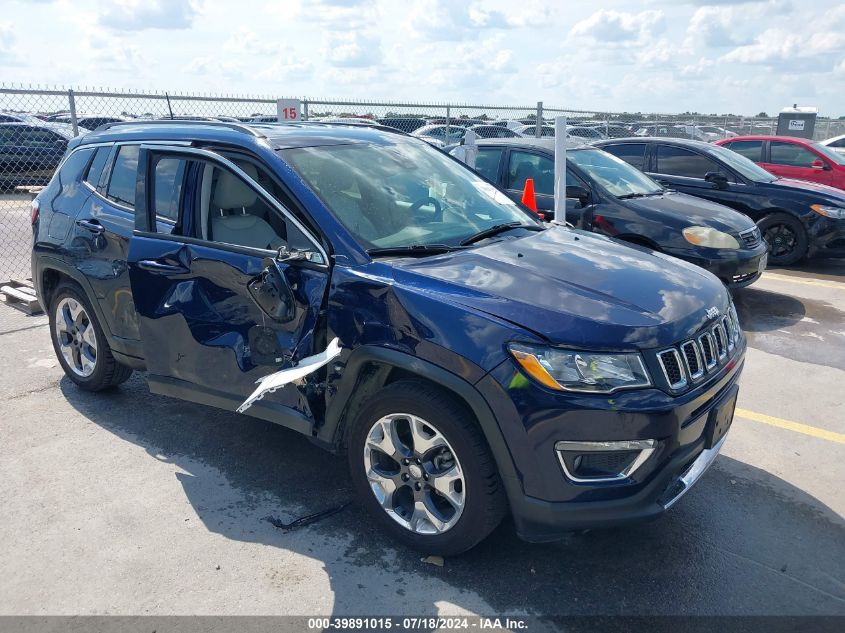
column 433, row 560
column 308, row 519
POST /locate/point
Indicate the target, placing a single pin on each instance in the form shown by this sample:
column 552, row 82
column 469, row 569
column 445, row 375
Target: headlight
column 570, row 370
column 711, row 238
column 837, row 213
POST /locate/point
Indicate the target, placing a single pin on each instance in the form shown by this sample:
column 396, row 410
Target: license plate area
column 720, row 419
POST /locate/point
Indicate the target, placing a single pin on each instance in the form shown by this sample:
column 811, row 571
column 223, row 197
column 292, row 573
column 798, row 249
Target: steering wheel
column 438, row 209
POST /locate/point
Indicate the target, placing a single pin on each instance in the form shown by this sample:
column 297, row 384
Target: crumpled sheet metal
column 309, row 364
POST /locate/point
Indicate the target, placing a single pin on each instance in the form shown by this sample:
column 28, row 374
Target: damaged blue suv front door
column 226, row 281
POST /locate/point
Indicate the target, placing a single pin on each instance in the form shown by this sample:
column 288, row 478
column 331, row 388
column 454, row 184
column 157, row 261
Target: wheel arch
column 369, row 368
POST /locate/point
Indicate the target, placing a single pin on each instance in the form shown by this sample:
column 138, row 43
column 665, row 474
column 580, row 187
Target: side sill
column 270, row 411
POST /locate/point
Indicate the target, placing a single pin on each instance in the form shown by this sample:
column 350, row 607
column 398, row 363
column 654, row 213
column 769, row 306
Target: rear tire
column 786, row 237
column 80, row 343
column 436, row 447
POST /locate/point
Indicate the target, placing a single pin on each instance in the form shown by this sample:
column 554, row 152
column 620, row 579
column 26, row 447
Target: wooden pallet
column 20, row 294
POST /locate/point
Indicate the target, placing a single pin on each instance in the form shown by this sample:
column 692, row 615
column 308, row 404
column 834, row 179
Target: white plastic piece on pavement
column 271, row 382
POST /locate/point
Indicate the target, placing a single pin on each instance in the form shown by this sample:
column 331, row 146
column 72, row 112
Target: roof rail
column 238, row 127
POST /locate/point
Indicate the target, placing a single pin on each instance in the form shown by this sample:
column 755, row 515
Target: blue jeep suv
column 488, row 362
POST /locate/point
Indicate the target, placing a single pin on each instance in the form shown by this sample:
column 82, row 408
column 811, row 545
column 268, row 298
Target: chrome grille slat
column 708, row 350
column 728, row 327
column 721, row 340
column 692, row 359
column 673, row 368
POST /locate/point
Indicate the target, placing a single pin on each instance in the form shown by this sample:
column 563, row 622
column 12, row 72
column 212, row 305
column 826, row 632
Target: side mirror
column 718, row 180
column 273, row 294
column 579, row 193
column 819, row 164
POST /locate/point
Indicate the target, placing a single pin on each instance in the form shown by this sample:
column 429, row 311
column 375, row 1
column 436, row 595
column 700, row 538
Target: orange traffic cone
column 528, row 197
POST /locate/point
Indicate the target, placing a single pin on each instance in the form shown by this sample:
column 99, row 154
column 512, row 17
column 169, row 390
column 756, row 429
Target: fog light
column 596, row 462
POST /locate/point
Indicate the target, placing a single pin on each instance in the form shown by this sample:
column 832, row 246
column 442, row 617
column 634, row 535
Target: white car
column 837, row 143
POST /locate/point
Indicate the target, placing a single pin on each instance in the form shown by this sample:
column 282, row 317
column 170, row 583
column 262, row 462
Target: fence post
column 72, row 107
column 305, row 109
column 448, row 120
column 538, row 123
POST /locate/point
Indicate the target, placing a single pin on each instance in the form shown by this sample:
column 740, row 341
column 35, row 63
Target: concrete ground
column 128, row 503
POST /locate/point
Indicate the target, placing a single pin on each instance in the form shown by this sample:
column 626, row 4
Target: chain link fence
column 35, row 125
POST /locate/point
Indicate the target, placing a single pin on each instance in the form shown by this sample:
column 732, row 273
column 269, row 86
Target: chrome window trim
column 683, row 381
column 698, row 357
column 646, row 448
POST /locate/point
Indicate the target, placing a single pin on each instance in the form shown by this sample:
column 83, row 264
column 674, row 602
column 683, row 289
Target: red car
column 790, row 157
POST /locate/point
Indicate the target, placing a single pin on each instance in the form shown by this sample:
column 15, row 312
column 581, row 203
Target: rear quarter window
column 75, row 165
column 95, row 169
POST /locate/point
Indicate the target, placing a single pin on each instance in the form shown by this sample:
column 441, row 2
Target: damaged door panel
column 216, row 318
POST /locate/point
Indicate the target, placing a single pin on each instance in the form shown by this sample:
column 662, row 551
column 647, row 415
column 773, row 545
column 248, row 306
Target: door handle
column 92, row 225
column 155, row 266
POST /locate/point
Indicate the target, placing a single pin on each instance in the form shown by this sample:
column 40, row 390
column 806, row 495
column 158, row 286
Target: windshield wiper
column 628, row 196
column 412, row 250
column 499, row 228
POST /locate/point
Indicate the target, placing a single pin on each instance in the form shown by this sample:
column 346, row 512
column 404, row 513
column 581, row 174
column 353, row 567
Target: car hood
column 697, row 211
column 575, row 288
column 811, row 188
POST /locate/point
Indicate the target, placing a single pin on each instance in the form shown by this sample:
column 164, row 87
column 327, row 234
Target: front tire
column 421, row 466
column 79, row 341
column 786, row 237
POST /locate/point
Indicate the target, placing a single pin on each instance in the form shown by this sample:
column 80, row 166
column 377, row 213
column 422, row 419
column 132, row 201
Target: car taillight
column 34, row 209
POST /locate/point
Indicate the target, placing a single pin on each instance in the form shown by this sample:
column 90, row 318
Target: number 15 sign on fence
column 288, row 109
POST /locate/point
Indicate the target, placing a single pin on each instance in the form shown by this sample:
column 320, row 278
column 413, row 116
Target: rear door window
column 168, row 176
column 124, row 174
column 677, row 161
column 631, row 153
column 524, row 165
column 750, row 149
column 487, row 162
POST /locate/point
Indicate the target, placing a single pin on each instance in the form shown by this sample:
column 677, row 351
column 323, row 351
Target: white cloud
column 615, row 28
column 352, row 49
column 7, row 41
column 786, row 47
column 136, row 15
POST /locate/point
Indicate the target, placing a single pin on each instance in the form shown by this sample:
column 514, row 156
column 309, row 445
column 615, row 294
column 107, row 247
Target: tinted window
column 677, row 161
column 790, row 154
column 123, row 175
column 10, row 135
column 487, row 162
column 167, row 187
column 750, row 149
column 631, row 153
column 97, row 166
column 74, row 165
column 839, row 143
column 33, row 137
column 523, row 165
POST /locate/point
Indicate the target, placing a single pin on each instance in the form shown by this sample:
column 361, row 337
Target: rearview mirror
column 818, row 164
column 579, row 193
column 717, row 179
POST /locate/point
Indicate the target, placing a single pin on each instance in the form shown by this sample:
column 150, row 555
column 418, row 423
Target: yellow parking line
column 807, row 282
column 806, row 429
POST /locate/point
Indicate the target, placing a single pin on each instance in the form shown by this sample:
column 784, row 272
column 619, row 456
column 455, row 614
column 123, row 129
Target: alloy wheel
column 76, row 337
column 782, row 239
column 414, row 473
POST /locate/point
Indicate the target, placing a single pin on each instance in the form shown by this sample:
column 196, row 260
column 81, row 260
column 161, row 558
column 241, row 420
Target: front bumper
column 827, row 238
column 545, row 502
column 736, row 268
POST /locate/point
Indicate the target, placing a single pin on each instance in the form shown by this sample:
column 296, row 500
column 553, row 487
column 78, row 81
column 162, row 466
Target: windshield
column 740, row 163
column 614, row 174
column 829, row 153
column 405, row 194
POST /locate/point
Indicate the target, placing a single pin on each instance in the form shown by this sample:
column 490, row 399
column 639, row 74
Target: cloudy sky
column 715, row 56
